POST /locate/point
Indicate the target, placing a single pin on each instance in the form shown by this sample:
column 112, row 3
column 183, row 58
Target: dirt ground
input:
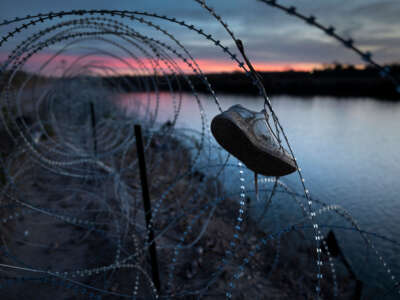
column 54, row 224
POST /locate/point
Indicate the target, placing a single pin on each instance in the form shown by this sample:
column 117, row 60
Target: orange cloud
column 122, row 66
column 209, row 66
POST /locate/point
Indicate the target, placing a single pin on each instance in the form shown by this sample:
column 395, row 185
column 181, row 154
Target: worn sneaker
column 246, row 135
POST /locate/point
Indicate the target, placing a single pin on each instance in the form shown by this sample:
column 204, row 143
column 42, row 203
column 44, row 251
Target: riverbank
column 88, row 227
column 341, row 82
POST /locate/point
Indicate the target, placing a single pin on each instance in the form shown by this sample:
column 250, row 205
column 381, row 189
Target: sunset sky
column 273, row 39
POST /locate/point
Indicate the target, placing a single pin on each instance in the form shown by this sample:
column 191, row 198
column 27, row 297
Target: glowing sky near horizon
column 274, row 41
column 130, row 67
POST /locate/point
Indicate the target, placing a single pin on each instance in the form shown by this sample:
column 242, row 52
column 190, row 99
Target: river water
column 348, row 150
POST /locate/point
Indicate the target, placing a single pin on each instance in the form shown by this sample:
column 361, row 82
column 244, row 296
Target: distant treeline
column 337, row 80
column 20, row 78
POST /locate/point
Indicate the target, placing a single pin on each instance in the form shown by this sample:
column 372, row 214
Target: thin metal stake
column 147, row 206
column 93, row 116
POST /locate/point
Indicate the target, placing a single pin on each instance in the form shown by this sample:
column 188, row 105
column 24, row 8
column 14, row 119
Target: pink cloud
column 132, row 66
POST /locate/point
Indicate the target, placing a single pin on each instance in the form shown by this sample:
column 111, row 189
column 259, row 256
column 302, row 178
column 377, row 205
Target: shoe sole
column 268, row 163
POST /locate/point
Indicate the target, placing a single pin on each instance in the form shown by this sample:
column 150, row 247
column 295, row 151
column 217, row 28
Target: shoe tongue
column 262, row 131
column 260, row 128
column 243, row 112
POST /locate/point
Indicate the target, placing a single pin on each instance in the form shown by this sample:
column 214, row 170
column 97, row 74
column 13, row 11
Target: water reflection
column 348, row 150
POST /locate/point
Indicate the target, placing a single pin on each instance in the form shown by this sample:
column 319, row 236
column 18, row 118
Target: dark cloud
column 269, row 34
column 383, row 12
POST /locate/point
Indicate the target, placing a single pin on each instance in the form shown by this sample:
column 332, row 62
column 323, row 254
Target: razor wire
column 65, row 152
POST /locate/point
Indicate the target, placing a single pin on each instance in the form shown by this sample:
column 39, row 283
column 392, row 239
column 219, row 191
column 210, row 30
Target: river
column 348, row 150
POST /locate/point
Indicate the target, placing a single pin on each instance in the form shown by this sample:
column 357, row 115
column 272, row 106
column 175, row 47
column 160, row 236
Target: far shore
column 338, row 81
